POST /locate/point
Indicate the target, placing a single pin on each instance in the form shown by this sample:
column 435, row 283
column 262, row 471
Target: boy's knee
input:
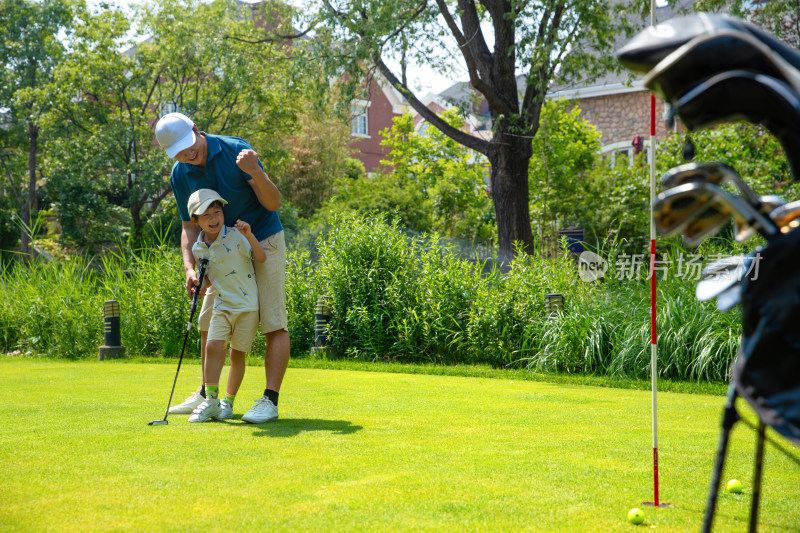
column 237, row 355
column 215, row 348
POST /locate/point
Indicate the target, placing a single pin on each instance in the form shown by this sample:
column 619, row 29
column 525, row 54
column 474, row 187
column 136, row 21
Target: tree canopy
column 512, row 51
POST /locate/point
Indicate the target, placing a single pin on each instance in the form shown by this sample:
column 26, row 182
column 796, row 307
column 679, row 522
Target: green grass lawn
column 365, row 451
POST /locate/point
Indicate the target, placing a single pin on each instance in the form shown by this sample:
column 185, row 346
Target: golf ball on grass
column 735, row 486
column 636, row 516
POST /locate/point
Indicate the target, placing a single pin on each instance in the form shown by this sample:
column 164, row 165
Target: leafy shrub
column 394, row 297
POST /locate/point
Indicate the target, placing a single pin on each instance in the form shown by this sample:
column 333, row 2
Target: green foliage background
column 393, row 298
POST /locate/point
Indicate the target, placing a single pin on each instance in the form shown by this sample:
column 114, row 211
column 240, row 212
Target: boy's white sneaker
column 187, row 406
column 205, row 411
column 225, row 410
column 263, row 411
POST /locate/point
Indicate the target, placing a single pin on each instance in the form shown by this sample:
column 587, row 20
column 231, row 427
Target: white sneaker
column 205, row 411
column 187, row 406
column 263, row 411
column 225, row 410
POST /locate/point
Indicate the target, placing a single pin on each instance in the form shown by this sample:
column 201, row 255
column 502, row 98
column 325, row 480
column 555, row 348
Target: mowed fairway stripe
column 359, row 451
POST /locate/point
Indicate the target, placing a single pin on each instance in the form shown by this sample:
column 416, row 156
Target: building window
column 169, row 107
column 619, row 151
column 359, row 124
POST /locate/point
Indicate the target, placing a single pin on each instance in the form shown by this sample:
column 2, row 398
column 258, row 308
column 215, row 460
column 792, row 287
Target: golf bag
column 714, row 69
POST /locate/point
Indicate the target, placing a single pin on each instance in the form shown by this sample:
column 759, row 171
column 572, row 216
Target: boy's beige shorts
column 238, row 326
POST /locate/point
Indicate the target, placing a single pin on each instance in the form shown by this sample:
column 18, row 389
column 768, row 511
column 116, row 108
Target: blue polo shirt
column 223, row 175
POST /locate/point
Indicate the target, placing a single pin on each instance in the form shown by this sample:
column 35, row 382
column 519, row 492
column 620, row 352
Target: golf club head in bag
column 715, row 68
column 700, row 210
column 787, row 216
column 715, row 53
column 673, row 208
column 201, row 274
column 722, row 280
column 708, row 223
column 719, row 174
column 714, row 172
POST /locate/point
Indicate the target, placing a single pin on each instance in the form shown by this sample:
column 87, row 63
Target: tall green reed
column 396, row 297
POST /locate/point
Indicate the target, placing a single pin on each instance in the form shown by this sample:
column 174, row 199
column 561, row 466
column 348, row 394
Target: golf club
column 721, row 275
column 700, row 209
column 787, row 216
column 714, row 172
column 709, row 222
column 719, row 174
column 200, row 277
column 675, row 206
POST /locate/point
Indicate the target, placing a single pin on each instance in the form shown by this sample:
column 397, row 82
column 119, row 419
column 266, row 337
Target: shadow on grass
column 291, row 427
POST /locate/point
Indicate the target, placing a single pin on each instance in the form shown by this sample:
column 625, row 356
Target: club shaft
column 200, row 277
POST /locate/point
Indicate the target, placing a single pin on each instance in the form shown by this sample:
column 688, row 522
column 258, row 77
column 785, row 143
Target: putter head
column 158, row 423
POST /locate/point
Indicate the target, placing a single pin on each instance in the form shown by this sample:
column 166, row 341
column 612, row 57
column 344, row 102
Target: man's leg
column 271, row 280
column 276, row 358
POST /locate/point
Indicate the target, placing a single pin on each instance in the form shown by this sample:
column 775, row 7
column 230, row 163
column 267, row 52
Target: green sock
column 212, row 391
column 229, row 398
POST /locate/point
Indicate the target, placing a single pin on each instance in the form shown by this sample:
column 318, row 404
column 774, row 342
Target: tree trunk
column 31, row 204
column 137, row 223
column 510, row 193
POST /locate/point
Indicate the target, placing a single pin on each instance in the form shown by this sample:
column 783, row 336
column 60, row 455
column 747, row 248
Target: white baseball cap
column 200, row 199
column 175, row 132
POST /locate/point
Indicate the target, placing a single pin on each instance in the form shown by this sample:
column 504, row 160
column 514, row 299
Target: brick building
column 619, row 112
column 371, row 116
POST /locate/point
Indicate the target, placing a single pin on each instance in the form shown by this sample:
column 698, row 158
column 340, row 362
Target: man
column 231, row 167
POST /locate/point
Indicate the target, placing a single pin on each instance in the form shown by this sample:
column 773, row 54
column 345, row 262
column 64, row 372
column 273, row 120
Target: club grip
column 201, row 274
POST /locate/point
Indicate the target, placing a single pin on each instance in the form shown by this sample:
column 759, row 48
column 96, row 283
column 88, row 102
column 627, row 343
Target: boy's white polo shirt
column 230, row 269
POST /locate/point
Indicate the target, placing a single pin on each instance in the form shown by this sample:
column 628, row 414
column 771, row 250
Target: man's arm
column 266, row 191
column 189, row 233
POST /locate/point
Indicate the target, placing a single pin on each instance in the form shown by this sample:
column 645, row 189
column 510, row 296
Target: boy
column 231, row 252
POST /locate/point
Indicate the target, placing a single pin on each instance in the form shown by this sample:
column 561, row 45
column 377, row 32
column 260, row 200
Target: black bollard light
column 111, row 332
column 553, row 303
column 322, row 318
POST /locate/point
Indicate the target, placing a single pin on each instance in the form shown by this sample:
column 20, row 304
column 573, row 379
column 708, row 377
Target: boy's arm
column 256, row 251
